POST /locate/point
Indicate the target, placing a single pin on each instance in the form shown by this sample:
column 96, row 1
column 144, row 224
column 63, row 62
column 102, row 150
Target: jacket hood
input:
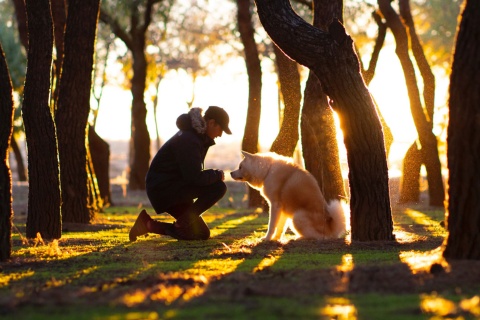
column 193, row 120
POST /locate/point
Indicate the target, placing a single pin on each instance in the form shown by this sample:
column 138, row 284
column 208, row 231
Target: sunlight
column 420, row 261
column 214, row 267
column 431, row 225
column 347, row 263
column 7, row 279
column 471, row 305
column 230, row 224
column 437, row 305
column 53, row 282
column 167, row 289
column 339, row 308
column 269, row 260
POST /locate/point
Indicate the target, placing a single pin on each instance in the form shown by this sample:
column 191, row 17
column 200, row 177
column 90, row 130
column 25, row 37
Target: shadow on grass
column 233, row 275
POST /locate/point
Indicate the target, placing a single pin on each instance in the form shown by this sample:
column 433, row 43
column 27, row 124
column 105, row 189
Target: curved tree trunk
column 73, row 109
column 6, row 129
column 427, row 139
column 332, row 58
column 44, row 196
column 22, row 173
column 319, row 134
column 289, row 79
column 254, row 71
column 319, row 141
column 463, row 141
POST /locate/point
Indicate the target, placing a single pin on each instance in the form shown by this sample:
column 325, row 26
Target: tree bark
column 423, row 123
column 59, row 15
column 6, row 130
column 21, row 15
column 331, row 56
column 73, row 108
column 44, row 196
column 22, row 173
column 100, row 151
column 410, row 184
column 289, row 78
column 463, row 140
column 319, row 141
column 254, row 71
column 319, row 134
column 140, row 155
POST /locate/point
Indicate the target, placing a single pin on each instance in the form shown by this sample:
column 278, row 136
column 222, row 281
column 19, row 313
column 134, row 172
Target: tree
column 331, row 56
column 16, row 61
column 135, row 40
column 6, row 129
column 289, row 79
column 73, row 108
column 463, row 141
column 254, row 72
column 425, row 150
column 319, row 134
column 44, row 196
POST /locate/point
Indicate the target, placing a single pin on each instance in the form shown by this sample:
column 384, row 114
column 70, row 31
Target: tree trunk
column 73, row 109
column 289, row 78
column 6, row 130
column 463, row 140
column 254, row 71
column 21, row 15
column 22, row 173
column 319, row 141
column 134, row 39
column 94, row 200
column 319, row 134
column 140, row 146
column 59, row 15
column 332, row 58
column 100, row 152
column 370, row 72
column 44, row 196
column 427, row 139
column 410, row 185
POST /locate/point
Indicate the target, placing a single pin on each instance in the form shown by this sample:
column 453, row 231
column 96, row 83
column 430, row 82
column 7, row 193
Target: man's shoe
column 140, row 226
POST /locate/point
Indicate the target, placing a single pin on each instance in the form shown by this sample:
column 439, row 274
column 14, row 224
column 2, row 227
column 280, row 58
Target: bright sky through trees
column 228, row 88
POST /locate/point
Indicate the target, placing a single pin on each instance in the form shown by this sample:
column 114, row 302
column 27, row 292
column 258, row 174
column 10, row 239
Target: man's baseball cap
column 220, row 116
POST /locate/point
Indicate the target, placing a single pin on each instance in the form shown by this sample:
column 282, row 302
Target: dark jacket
column 179, row 162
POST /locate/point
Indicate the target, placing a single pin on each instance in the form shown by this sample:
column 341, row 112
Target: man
column 177, row 177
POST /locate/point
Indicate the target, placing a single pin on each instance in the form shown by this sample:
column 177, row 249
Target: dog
column 294, row 197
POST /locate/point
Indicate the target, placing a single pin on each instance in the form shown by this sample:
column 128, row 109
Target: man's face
column 213, row 129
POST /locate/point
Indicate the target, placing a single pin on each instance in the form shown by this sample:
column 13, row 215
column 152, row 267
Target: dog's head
column 242, row 173
column 252, row 169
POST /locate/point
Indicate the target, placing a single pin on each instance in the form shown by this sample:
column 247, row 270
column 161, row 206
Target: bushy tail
column 340, row 213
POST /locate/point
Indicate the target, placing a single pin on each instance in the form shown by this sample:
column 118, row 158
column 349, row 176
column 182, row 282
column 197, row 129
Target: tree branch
column 116, row 28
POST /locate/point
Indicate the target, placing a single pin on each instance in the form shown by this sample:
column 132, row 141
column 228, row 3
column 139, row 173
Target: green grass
column 94, row 272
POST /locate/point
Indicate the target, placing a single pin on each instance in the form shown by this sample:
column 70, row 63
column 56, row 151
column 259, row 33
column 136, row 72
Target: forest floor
column 94, row 272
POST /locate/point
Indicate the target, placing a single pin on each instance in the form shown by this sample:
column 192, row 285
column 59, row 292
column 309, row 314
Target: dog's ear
column 246, row 154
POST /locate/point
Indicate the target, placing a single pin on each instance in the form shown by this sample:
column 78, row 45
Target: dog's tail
column 339, row 212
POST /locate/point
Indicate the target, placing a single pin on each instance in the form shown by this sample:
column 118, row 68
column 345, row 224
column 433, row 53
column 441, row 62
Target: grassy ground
column 94, row 272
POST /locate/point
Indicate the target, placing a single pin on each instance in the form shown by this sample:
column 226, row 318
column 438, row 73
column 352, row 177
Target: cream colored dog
column 294, row 197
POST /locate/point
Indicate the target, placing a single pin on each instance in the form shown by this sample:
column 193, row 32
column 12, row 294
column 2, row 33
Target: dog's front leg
column 273, row 223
